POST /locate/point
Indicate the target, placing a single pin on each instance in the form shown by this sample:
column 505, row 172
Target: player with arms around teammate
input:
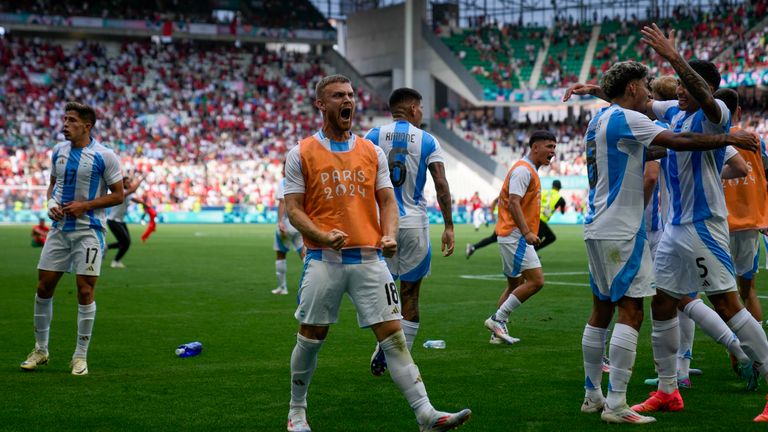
column 286, row 236
column 517, row 228
column 81, row 172
column 411, row 152
column 339, row 196
column 620, row 265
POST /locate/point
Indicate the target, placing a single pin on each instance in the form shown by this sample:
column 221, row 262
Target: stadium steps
column 467, row 168
column 539, row 65
column 590, row 54
column 343, row 66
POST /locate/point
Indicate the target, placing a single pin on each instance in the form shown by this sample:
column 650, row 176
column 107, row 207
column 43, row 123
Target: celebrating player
column 519, row 218
column 620, row 265
column 411, row 152
column 339, row 196
column 81, row 171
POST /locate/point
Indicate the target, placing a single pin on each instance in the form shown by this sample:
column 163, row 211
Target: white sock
column 509, row 305
column 665, row 339
column 42, row 318
column 752, row 338
column 303, row 364
column 592, row 346
column 406, row 376
column 280, row 270
column 86, row 314
column 623, row 350
column 410, row 329
column 684, row 352
column 714, row 326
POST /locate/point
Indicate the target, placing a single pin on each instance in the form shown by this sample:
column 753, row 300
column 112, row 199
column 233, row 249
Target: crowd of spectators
column 507, row 141
column 296, row 14
column 206, row 125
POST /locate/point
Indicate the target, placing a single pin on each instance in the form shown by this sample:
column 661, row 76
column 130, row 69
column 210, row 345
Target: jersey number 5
column 397, row 169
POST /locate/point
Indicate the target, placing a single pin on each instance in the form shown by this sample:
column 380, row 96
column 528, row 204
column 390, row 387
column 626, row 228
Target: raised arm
column 448, row 242
column 693, row 82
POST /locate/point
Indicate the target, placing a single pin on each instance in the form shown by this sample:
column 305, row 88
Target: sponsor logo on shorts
column 90, row 268
column 395, row 310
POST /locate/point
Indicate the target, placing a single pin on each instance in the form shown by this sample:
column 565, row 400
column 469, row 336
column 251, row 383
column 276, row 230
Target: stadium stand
column 207, row 124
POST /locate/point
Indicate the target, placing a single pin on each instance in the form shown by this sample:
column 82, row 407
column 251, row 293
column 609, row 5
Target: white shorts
column 368, row 284
column 478, row 217
column 517, row 255
column 284, row 243
column 81, row 250
column 654, row 237
column 414, row 255
column 620, row 268
column 745, row 248
column 695, row 257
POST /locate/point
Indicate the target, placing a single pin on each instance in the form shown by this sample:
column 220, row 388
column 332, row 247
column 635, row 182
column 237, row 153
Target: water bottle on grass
column 437, row 344
column 189, row 349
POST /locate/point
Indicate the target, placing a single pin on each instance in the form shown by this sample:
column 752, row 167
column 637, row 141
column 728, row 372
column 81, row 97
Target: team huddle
column 669, row 182
column 696, row 251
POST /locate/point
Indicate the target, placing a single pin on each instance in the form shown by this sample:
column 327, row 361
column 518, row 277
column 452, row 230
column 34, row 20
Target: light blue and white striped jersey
column 693, row 177
column 409, row 152
column 83, row 174
column 654, row 210
column 616, row 140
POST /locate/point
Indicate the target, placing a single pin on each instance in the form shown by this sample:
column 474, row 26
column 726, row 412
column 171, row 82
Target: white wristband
column 52, row 203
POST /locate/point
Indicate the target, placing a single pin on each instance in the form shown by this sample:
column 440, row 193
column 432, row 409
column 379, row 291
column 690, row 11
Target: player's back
column 615, row 141
column 409, row 152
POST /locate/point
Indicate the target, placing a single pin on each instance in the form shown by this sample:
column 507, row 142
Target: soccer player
column 118, row 226
column 551, row 201
column 694, row 249
column 39, row 233
column 151, row 213
column 620, row 265
column 664, row 89
column 519, row 217
column 411, row 152
column 747, row 201
column 478, row 212
column 338, row 194
column 286, row 236
column 81, row 171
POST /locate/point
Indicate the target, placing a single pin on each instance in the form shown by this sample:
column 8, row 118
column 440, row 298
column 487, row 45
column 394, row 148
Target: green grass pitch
column 212, row 283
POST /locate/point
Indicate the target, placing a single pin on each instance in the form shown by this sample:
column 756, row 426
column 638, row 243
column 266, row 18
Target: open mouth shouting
column 346, row 113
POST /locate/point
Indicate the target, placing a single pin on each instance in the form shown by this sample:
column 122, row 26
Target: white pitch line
column 546, row 282
column 497, row 276
column 501, row 277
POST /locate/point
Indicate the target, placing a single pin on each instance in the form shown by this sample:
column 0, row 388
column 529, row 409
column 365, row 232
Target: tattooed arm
column 693, row 82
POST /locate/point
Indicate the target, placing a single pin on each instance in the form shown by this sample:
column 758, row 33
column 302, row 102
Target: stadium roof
column 527, row 11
